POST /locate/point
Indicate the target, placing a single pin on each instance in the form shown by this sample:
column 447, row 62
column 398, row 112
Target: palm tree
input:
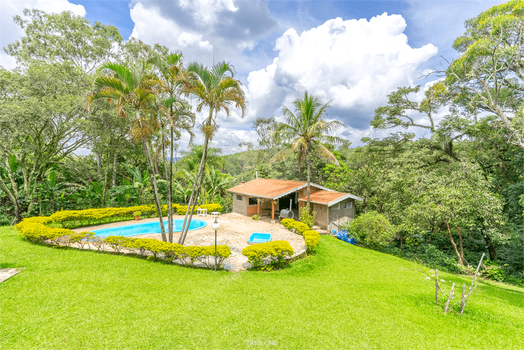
column 216, row 181
column 216, row 89
column 307, row 130
column 193, row 155
column 132, row 87
column 172, row 76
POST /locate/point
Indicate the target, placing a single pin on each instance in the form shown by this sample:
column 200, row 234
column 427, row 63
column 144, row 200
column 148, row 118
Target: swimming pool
column 259, row 238
column 145, row 228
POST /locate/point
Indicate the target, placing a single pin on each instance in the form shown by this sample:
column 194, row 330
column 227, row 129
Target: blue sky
column 351, row 52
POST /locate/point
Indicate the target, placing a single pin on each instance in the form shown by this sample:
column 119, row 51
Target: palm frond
column 325, row 154
column 283, row 154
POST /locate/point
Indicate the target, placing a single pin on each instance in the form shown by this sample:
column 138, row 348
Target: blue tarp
column 343, row 236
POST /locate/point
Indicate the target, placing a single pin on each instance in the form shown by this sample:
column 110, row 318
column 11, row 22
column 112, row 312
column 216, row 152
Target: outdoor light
column 215, row 227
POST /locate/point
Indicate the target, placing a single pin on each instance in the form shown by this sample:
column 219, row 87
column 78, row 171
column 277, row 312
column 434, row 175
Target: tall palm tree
column 307, row 130
column 216, row 89
column 131, row 87
column 171, row 75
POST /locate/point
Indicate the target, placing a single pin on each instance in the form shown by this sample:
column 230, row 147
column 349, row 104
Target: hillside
column 342, row 297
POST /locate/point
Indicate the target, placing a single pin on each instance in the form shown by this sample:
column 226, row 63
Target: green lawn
column 344, row 297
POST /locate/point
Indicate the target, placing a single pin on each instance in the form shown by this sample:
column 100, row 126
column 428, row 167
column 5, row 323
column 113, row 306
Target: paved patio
column 234, row 231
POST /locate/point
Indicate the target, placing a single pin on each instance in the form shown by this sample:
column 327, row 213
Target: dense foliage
column 371, row 229
column 448, row 197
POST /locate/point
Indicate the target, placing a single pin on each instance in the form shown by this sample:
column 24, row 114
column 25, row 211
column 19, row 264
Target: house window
column 336, row 206
column 239, row 197
column 348, row 205
column 253, row 201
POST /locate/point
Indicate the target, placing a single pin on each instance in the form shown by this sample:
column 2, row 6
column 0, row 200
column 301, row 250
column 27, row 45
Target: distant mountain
column 175, row 160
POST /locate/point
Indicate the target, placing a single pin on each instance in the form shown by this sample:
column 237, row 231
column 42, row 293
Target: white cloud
column 10, row 32
column 354, row 63
column 166, row 32
column 204, row 30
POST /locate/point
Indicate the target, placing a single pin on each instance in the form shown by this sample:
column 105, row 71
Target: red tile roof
column 268, row 188
column 324, row 197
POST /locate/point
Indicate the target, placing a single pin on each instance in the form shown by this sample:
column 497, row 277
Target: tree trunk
column 461, row 261
column 168, row 175
column 13, row 197
column 194, row 194
column 149, row 161
column 99, row 166
column 461, row 241
column 115, row 157
column 104, row 191
column 491, row 247
column 308, row 162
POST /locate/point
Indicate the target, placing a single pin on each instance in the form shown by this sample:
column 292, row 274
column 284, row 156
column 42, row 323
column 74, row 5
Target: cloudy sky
column 351, row 52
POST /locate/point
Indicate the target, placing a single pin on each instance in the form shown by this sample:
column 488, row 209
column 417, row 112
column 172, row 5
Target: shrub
column 99, row 243
column 254, row 217
column 181, row 209
column 311, row 237
column 371, row 229
column 291, row 224
column 185, row 254
column 273, row 253
column 306, row 218
column 117, row 242
column 77, row 218
column 137, row 213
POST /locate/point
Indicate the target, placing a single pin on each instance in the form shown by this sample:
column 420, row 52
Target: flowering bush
column 273, row 253
column 311, row 237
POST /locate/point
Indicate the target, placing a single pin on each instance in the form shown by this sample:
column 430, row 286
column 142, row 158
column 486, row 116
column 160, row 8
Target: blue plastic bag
column 343, row 236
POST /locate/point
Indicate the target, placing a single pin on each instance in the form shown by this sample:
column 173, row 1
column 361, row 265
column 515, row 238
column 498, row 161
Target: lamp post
column 215, row 227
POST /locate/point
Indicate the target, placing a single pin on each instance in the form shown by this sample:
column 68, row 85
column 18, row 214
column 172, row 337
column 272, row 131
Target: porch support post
column 272, row 209
column 258, row 207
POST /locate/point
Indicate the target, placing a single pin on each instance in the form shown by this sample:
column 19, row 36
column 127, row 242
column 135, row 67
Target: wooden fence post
column 436, row 286
column 449, row 298
column 471, row 287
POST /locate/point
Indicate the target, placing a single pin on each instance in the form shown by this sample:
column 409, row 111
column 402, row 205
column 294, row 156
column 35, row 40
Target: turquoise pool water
column 148, row 227
column 259, row 238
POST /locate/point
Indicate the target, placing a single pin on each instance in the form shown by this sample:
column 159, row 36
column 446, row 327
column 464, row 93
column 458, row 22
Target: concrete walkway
column 234, row 231
column 8, row 273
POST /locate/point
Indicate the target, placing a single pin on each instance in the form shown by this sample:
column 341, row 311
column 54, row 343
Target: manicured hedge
column 272, row 253
column 311, row 237
column 291, row 224
column 36, row 229
column 88, row 217
column 186, row 255
column 181, row 209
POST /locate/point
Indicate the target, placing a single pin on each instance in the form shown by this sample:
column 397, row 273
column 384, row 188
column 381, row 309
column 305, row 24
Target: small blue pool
column 147, row 227
column 259, row 238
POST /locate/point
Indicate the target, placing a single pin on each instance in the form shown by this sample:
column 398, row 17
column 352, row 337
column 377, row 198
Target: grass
column 342, row 297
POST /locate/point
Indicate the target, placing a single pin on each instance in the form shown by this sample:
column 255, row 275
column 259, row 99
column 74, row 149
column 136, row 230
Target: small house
column 270, row 196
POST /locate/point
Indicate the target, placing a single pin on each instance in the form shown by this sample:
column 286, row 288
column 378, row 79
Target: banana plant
column 141, row 184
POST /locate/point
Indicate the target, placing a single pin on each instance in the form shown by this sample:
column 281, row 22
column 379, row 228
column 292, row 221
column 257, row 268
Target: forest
column 446, row 197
